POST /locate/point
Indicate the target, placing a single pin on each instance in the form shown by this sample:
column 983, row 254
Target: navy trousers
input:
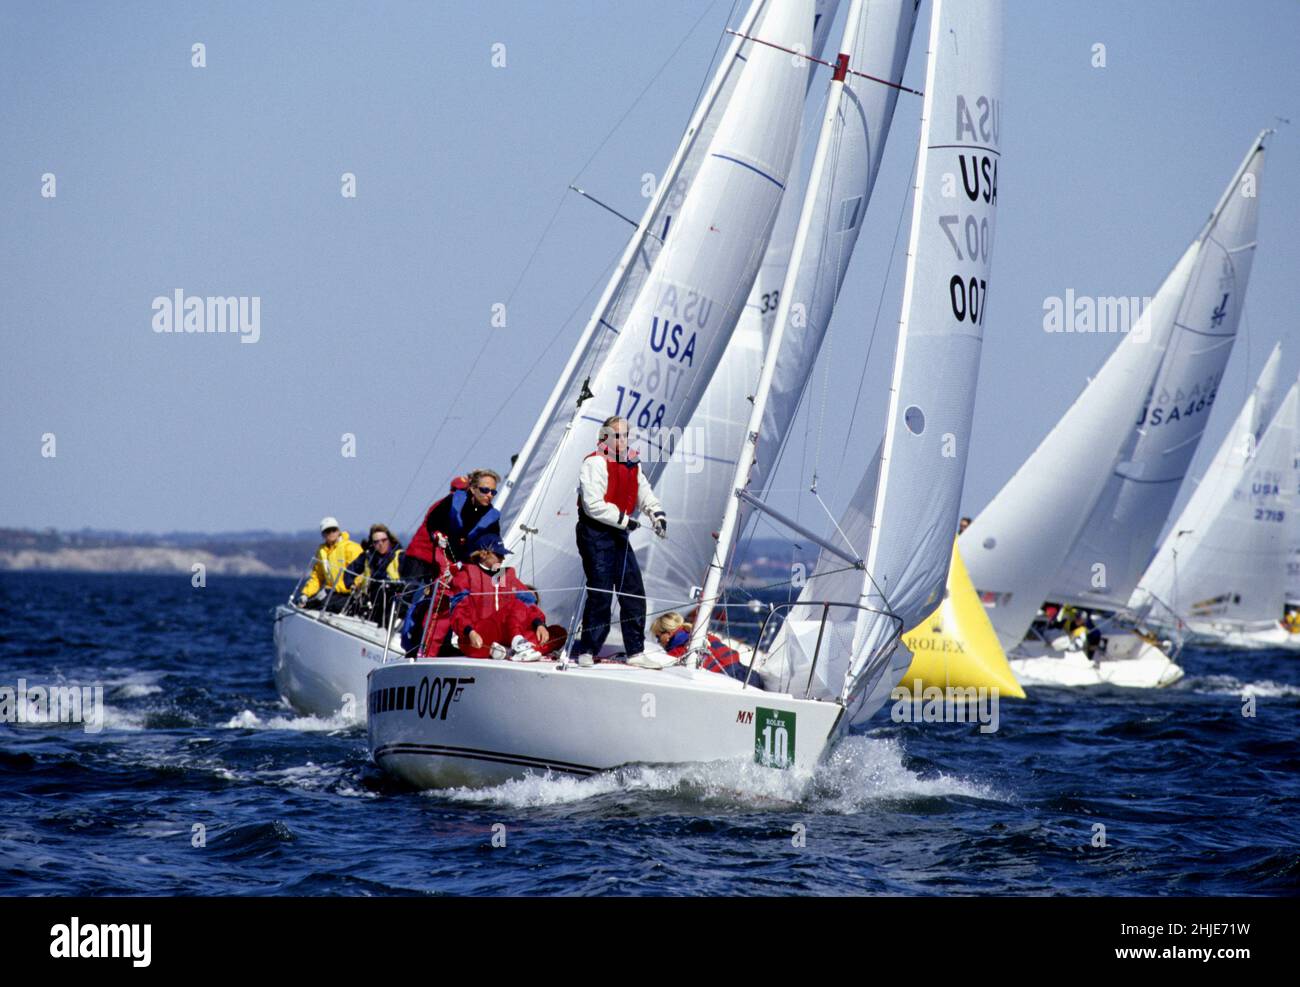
column 611, row 568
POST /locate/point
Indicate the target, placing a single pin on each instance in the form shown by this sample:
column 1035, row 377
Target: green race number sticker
column 773, row 737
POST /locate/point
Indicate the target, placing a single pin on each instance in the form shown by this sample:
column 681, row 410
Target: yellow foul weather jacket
column 328, row 567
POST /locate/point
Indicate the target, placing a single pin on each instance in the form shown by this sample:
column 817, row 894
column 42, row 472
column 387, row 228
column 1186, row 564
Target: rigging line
column 655, row 78
column 838, row 529
column 709, row 69
column 875, row 323
column 819, row 61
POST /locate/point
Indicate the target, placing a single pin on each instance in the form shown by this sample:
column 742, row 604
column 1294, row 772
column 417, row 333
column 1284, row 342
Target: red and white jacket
column 612, row 492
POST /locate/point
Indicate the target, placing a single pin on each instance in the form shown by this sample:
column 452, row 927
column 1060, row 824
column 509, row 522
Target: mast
column 745, row 462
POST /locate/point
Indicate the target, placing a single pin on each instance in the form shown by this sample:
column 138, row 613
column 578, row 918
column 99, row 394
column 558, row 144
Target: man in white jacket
column 611, row 491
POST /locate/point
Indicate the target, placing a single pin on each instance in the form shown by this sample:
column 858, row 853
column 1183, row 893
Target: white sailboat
column 1221, row 568
column 322, row 659
column 462, row 721
column 1089, row 503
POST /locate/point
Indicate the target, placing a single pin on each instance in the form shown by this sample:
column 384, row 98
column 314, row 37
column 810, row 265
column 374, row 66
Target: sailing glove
column 632, row 524
column 661, row 525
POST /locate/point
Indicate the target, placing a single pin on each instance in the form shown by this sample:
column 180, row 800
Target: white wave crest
column 1227, row 685
column 858, row 772
column 248, row 720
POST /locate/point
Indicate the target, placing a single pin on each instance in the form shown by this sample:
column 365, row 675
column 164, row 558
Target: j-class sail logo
column 774, row 737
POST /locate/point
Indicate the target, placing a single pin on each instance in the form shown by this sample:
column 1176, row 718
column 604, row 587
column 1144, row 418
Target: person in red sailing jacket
column 442, row 541
column 490, row 606
column 674, row 635
column 611, row 490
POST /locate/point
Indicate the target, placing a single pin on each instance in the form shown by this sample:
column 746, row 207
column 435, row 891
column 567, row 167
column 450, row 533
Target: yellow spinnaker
column 956, row 645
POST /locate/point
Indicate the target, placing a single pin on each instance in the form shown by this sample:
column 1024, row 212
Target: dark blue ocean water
column 1195, row 798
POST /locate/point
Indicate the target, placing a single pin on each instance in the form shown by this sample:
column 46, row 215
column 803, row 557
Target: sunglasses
column 486, row 490
column 378, row 538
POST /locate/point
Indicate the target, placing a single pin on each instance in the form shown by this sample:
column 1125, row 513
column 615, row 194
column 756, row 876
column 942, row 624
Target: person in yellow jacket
column 333, row 557
column 375, row 576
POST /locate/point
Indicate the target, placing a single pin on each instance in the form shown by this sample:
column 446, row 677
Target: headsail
column 1116, row 542
column 666, row 350
column 630, row 276
column 1225, row 555
column 1053, row 515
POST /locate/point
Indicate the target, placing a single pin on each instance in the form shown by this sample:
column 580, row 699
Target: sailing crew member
column 376, row 572
column 674, row 636
column 333, row 556
column 490, row 606
column 461, row 515
column 441, row 541
column 611, row 490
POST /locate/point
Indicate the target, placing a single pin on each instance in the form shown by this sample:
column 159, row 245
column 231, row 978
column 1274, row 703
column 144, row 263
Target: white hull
column 1273, row 637
column 322, row 660
column 451, row 722
column 1129, row 662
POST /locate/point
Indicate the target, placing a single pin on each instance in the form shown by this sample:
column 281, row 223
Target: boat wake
column 248, row 720
column 1228, row 685
column 861, row 771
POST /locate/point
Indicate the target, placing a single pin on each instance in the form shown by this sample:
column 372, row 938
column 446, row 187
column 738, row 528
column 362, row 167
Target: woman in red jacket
column 489, row 605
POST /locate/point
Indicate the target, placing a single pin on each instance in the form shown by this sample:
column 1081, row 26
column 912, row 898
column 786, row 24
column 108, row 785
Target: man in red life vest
column 611, row 490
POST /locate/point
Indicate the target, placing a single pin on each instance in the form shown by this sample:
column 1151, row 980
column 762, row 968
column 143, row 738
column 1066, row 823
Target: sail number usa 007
column 970, row 234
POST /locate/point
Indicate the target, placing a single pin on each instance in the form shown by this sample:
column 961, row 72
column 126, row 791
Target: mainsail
column 945, row 297
column 665, row 351
column 902, row 517
column 877, row 35
column 1225, row 555
column 1089, row 503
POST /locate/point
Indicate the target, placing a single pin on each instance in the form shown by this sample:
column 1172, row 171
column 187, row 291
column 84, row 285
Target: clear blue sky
column 226, row 181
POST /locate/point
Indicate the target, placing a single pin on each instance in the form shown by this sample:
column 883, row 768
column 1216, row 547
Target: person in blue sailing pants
column 611, row 490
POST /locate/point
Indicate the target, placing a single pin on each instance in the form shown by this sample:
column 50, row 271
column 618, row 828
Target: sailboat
column 1089, row 504
column 1221, row 568
column 322, row 659
column 451, row 721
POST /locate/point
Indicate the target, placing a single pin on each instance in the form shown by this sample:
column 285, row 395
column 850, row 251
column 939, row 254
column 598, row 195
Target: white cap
column 328, row 522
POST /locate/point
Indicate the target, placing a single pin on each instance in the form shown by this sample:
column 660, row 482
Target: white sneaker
column 498, row 651
column 586, row 661
column 642, row 660
column 523, row 649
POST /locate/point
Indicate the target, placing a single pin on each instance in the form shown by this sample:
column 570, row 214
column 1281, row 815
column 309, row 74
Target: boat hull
column 322, row 660
column 1223, row 637
column 453, row 722
column 1130, row 662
